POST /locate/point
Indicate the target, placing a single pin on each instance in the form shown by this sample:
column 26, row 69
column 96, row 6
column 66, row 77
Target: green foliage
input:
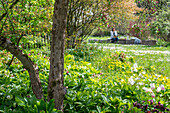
column 33, row 105
column 16, row 92
column 163, row 43
column 161, row 26
column 114, row 87
column 153, row 20
column 84, row 52
column 25, row 18
column 93, row 91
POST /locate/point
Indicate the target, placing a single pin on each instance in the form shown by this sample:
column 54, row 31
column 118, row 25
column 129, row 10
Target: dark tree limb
column 17, row 46
column 27, row 63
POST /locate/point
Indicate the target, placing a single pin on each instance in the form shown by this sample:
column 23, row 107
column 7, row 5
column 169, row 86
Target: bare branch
column 8, row 16
column 3, row 15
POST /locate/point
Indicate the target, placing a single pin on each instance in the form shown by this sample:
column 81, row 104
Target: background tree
column 86, row 16
column 147, row 24
column 83, row 18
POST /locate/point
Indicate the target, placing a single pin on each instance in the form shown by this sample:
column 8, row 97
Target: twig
column 3, row 25
column 3, row 15
column 8, row 17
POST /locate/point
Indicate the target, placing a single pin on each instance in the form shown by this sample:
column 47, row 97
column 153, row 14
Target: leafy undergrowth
column 122, row 86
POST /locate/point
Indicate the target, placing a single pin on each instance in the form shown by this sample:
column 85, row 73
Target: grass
column 105, row 37
column 146, row 56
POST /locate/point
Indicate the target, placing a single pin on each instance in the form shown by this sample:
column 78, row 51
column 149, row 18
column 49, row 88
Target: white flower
column 144, row 88
column 152, row 85
column 131, row 81
column 8, row 97
column 161, row 87
column 157, row 75
column 135, row 70
column 147, row 89
column 158, row 89
column 143, row 72
column 115, row 83
column 150, row 80
column 140, row 83
column 137, row 78
column 135, row 65
column 140, row 74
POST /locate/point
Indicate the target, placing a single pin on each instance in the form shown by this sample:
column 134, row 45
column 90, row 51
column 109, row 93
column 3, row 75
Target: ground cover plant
column 97, row 80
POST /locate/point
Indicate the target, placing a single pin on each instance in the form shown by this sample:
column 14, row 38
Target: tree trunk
column 56, row 81
column 27, row 63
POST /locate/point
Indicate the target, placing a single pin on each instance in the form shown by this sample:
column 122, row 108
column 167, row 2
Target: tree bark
column 56, row 88
column 27, row 63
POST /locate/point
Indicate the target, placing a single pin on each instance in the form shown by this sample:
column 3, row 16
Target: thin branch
column 3, row 15
column 8, row 16
column 3, row 25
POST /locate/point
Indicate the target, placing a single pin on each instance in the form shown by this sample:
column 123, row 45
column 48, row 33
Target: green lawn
column 156, row 56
